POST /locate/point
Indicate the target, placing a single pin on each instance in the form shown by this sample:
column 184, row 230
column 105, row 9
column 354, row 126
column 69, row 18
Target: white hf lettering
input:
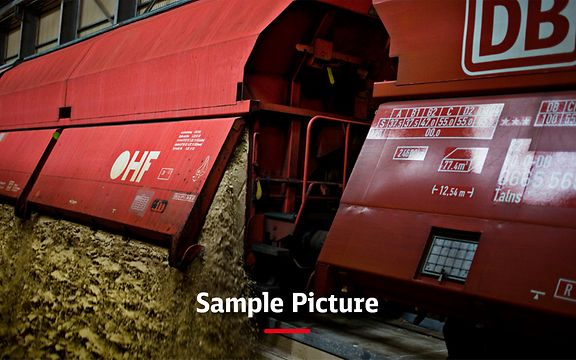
column 136, row 165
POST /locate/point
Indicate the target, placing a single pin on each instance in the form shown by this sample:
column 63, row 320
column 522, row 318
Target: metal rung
column 270, row 250
column 281, row 216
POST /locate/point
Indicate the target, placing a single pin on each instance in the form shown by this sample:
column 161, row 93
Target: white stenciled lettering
column 536, row 177
column 564, row 290
column 136, row 165
column 438, row 122
column 568, row 290
column 556, row 113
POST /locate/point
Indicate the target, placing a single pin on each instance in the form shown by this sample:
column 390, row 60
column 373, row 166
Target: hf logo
column 135, row 164
column 518, row 35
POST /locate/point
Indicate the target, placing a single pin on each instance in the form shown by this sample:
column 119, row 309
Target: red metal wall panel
column 502, row 167
column 184, row 59
column 197, row 78
column 19, row 156
column 32, row 107
column 32, row 92
column 189, row 58
column 147, row 177
column 441, row 47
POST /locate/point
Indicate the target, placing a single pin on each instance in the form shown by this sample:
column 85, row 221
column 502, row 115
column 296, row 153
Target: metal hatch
column 20, row 154
column 151, row 180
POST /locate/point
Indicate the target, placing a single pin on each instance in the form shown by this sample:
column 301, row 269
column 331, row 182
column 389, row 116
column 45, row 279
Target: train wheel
column 464, row 339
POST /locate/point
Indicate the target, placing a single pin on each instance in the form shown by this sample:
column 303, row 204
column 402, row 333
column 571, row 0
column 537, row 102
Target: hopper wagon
column 419, row 151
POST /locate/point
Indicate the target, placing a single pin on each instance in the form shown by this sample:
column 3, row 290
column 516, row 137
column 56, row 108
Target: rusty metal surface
column 502, row 167
column 147, row 178
column 19, row 156
column 451, row 49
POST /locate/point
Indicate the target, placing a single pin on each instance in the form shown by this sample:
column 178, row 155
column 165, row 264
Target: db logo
column 135, row 164
column 518, row 35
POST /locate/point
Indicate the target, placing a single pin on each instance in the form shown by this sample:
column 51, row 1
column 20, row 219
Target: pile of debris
column 68, row 290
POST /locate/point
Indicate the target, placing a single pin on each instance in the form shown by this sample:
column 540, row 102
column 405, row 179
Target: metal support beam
column 9, row 6
column 4, row 30
column 3, row 44
column 29, row 32
column 150, row 6
column 70, row 10
column 126, row 10
column 105, row 11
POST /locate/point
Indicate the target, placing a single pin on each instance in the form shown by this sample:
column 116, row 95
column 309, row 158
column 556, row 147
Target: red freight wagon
column 140, row 109
column 464, row 207
column 463, row 199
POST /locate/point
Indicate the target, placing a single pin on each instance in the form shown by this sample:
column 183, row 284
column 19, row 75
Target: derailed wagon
column 462, row 200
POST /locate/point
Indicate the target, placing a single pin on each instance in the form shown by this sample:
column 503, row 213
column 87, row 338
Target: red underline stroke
column 287, row 331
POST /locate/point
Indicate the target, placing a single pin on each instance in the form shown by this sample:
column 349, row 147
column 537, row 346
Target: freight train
column 419, row 151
